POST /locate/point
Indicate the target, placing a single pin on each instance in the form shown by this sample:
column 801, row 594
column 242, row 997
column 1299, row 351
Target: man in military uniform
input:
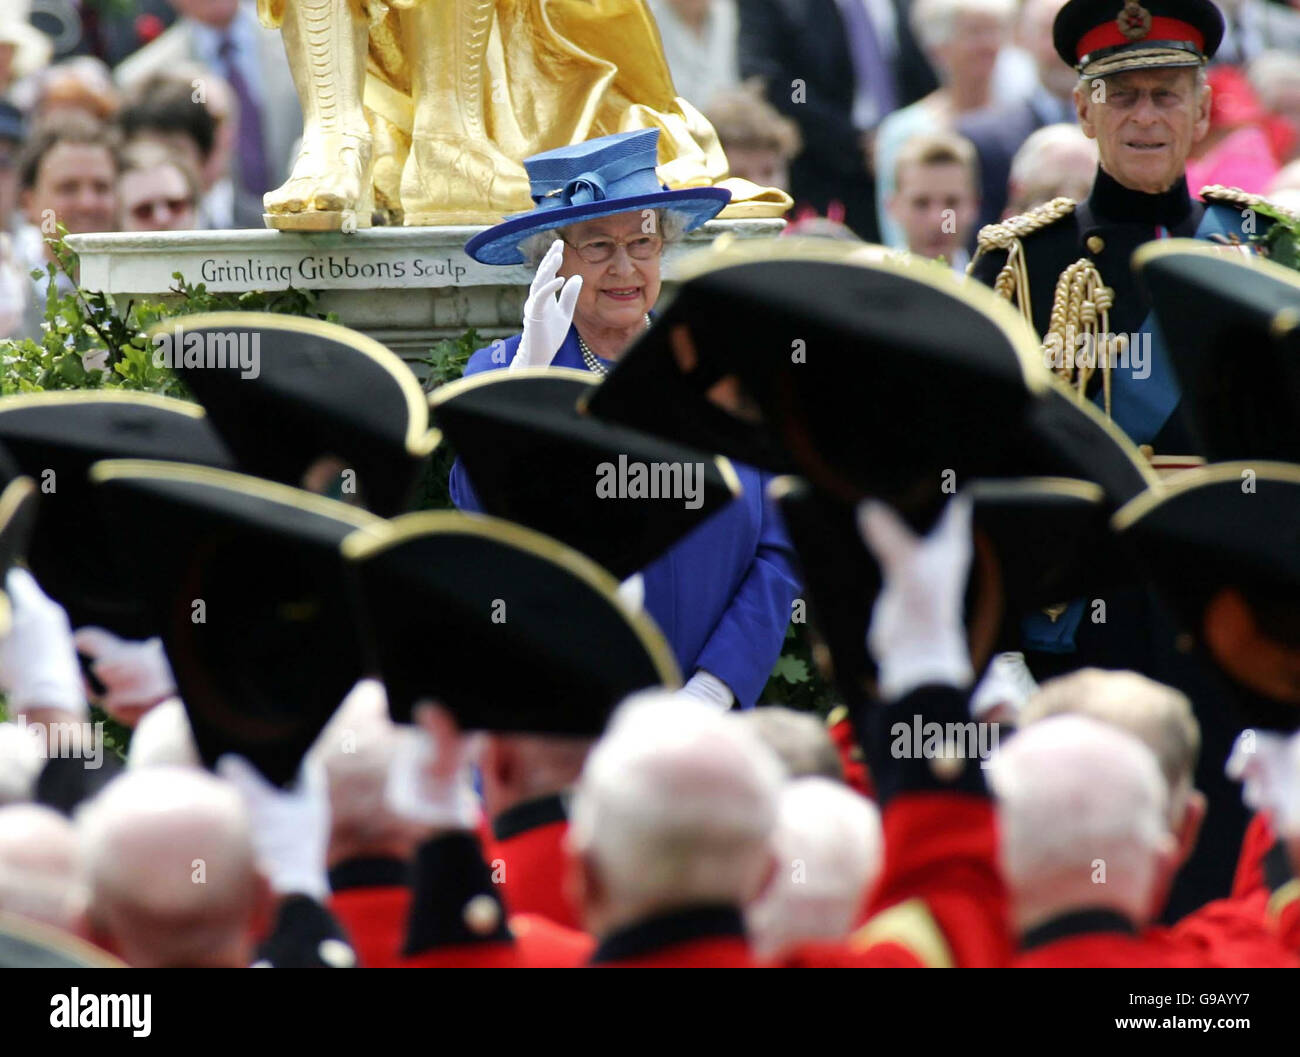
column 1142, row 96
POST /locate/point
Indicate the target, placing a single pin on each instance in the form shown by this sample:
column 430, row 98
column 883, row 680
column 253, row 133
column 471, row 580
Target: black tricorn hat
column 1101, row 37
column 285, row 392
column 54, row 438
column 248, row 592
column 1229, row 529
column 1237, row 354
column 1039, row 541
column 866, row 375
column 533, row 459
column 509, row 629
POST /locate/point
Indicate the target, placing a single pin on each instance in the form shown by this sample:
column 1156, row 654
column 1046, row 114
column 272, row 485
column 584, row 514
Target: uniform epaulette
column 1000, row 236
column 1239, row 199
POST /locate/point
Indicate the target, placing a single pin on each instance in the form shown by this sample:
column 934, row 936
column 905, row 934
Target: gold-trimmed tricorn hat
column 508, row 629
column 1103, row 37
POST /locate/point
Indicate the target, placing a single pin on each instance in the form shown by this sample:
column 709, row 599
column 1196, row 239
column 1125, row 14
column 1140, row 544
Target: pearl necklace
column 591, row 360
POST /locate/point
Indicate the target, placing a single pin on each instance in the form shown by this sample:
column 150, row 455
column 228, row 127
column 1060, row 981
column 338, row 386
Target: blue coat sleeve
column 494, row 357
column 747, row 640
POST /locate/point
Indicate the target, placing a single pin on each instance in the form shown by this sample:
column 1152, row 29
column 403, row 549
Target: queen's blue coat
column 721, row 595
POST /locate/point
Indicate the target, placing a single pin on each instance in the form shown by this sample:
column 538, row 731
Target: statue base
column 406, row 287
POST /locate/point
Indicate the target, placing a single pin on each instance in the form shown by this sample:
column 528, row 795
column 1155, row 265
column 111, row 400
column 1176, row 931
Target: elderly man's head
column 828, row 847
column 618, row 258
column 674, row 809
column 173, row 877
column 1145, row 123
column 355, row 750
column 1083, row 816
column 1054, row 161
column 40, row 867
column 962, row 37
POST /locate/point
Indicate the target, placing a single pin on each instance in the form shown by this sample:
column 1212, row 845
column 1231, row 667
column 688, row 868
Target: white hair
column 163, row 737
column 40, row 867
column 169, row 858
column 672, row 226
column 934, row 21
column 675, row 806
column 354, row 751
column 1082, row 812
column 828, row 846
column 1031, row 158
column 20, row 764
column 1157, row 715
column 801, row 741
column 1271, row 73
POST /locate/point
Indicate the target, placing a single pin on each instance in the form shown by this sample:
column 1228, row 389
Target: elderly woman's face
column 618, row 291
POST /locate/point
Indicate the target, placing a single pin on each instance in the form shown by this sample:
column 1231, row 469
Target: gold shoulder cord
column 1235, row 196
column 1082, row 301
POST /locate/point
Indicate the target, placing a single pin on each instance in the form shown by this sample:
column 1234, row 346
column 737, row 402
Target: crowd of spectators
column 877, row 114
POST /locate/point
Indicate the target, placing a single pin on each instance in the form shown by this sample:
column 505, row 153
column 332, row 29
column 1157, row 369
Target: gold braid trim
column 1235, row 196
column 1013, row 280
column 1081, row 306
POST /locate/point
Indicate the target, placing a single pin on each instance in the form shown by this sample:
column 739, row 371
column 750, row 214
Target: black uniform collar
column 666, row 930
column 369, row 873
column 531, row 814
column 1078, row 923
column 1112, row 201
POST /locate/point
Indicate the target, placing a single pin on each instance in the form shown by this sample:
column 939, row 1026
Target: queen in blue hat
column 596, row 237
column 722, row 595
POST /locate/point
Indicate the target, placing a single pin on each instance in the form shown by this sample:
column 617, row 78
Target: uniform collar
column 531, row 814
column 1078, row 923
column 666, row 930
column 1112, row 201
column 378, row 872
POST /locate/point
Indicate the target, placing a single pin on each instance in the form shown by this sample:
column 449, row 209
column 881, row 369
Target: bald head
column 828, row 847
column 1082, row 812
column 40, row 868
column 354, row 752
column 1157, row 715
column 173, row 879
column 674, row 808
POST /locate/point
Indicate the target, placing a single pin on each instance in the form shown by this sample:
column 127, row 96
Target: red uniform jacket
column 370, row 898
column 527, row 847
column 1101, row 939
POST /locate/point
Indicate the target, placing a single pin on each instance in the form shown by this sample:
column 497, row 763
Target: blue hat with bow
column 598, row 178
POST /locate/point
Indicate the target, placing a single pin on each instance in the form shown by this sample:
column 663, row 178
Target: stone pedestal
column 406, row 287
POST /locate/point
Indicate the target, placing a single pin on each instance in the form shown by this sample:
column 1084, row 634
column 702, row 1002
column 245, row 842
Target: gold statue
column 425, row 108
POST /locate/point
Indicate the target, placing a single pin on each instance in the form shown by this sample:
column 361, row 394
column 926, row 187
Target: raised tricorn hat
column 54, row 438
column 1221, row 544
column 1237, row 355
column 865, row 376
column 288, row 394
column 616, row 494
column 1102, row 37
column 248, row 591
column 1038, row 541
column 507, row 628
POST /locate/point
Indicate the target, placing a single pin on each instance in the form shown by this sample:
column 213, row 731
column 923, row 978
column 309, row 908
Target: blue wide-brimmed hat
column 598, row 178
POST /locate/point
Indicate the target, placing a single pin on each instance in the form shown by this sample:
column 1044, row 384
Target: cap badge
column 1134, row 21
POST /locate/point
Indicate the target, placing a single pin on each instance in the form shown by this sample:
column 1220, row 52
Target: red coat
column 1112, row 949
column 940, row 900
column 370, row 898
column 527, row 851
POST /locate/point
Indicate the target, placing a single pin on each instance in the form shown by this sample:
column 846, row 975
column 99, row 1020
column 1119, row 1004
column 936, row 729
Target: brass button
column 1096, row 244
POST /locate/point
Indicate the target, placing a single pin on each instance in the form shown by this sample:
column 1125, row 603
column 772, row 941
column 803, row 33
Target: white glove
column 1268, row 767
column 1008, row 682
column 429, row 779
column 917, row 635
column 547, row 318
column 708, row 689
column 291, row 828
column 632, row 592
column 38, row 662
column 135, row 675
